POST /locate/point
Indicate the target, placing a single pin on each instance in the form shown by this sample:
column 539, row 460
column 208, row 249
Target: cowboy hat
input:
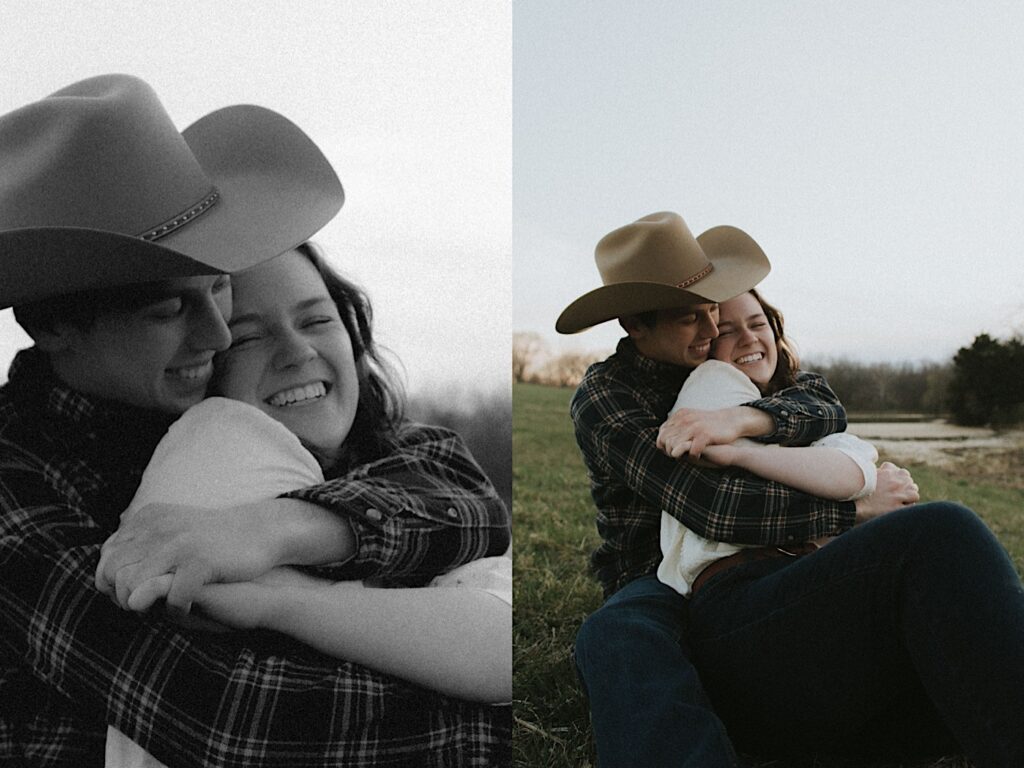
column 656, row 263
column 99, row 189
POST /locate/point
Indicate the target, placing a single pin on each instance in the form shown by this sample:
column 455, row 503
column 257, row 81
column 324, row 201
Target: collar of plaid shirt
column 115, row 441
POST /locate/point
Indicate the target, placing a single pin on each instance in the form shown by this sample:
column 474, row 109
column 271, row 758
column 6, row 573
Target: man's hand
column 689, row 431
column 895, row 489
column 195, row 546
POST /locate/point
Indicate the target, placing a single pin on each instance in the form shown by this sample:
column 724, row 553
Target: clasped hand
column 689, row 432
column 895, row 489
column 171, row 551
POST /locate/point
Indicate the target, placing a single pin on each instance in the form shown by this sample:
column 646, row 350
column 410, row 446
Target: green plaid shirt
column 617, row 410
column 71, row 662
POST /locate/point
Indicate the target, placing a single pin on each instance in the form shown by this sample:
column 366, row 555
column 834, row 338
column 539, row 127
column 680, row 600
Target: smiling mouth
column 304, row 395
column 192, row 373
column 701, row 349
column 756, row 357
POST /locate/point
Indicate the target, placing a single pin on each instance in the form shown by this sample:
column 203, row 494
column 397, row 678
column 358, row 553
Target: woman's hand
column 895, row 489
column 689, row 431
column 717, row 456
column 238, row 605
column 242, row 605
column 147, row 594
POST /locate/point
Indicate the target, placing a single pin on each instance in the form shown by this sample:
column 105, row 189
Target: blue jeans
column 647, row 707
column 905, row 634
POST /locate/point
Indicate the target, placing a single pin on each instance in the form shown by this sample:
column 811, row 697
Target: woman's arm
column 457, row 641
column 819, row 471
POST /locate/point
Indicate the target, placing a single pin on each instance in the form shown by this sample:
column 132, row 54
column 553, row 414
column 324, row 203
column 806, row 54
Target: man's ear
column 631, row 324
column 52, row 340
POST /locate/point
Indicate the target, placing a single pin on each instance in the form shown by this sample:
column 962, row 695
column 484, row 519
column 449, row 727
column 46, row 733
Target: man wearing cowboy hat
column 663, row 286
column 117, row 234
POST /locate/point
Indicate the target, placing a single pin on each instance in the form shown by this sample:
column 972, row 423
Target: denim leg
column 819, row 653
column 647, row 706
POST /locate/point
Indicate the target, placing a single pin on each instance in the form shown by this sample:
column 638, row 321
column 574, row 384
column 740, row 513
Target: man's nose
column 209, row 327
column 708, row 327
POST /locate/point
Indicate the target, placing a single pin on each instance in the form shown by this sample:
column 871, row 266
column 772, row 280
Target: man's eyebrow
column 255, row 317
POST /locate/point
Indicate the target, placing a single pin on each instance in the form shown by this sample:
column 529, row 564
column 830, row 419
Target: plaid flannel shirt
column 71, row 662
column 617, row 410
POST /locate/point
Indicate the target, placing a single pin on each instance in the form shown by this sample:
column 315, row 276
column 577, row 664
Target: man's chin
column 693, row 360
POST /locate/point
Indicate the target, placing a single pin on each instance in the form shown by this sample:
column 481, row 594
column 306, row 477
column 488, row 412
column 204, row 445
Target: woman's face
column 745, row 339
column 291, row 355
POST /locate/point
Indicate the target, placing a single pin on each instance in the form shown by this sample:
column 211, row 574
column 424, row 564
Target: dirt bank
column 972, row 451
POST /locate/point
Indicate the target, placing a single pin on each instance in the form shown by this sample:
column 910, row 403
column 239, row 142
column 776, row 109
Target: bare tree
column 526, row 348
column 567, row 369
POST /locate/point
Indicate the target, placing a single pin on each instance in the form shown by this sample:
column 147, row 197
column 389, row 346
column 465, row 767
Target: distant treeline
column 982, row 384
column 888, row 387
column 485, row 423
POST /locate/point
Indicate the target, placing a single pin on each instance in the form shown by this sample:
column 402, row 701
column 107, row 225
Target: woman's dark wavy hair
column 789, row 363
column 381, row 408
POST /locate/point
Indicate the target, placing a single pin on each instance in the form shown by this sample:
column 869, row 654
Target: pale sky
column 875, row 150
column 410, row 101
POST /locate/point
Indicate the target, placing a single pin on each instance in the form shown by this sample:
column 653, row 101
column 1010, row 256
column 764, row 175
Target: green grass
column 554, row 535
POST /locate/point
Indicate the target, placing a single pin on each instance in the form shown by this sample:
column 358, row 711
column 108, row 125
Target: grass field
column 554, row 535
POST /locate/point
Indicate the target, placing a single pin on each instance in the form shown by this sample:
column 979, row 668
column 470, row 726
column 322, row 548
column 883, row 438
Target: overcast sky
column 875, row 150
column 410, row 101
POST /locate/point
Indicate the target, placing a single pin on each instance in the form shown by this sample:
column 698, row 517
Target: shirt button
column 451, row 512
column 821, row 412
column 783, row 413
column 374, row 514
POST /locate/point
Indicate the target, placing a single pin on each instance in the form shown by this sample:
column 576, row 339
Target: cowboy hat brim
column 620, row 300
column 739, row 265
column 276, row 191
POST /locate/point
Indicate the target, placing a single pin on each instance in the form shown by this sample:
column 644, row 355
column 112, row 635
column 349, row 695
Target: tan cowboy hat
column 99, row 189
column 656, row 263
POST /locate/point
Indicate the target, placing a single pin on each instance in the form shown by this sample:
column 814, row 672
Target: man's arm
column 795, row 416
column 422, row 510
column 803, row 413
column 419, row 512
column 618, row 437
column 196, row 699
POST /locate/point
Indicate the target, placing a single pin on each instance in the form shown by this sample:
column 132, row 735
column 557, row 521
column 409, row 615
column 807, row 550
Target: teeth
column 750, row 358
column 190, row 372
column 298, row 394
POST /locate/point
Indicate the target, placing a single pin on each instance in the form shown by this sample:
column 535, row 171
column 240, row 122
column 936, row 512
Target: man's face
column 159, row 356
column 680, row 336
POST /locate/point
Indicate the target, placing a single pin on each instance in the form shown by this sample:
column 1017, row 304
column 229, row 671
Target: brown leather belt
column 749, row 556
